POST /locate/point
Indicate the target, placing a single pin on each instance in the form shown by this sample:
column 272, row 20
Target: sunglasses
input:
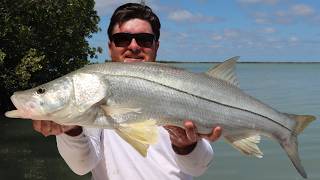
column 124, row 39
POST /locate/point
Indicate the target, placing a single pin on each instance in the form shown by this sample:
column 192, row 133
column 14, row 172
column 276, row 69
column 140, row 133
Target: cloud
column 261, row 17
column 217, row 37
column 254, row 42
column 293, row 39
column 248, row 2
column 302, row 10
column 268, row 30
column 216, row 46
column 294, row 13
column 228, row 35
column 231, row 33
column 187, row 16
column 106, row 7
column 258, row 39
column 181, row 15
column 285, row 14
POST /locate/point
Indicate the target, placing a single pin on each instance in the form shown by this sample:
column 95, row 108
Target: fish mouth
column 17, row 113
column 13, row 114
column 23, row 108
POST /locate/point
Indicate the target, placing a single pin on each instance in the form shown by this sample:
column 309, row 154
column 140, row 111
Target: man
column 134, row 32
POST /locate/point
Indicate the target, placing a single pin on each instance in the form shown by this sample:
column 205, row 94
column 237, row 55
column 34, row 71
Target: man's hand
column 48, row 128
column 184, row 140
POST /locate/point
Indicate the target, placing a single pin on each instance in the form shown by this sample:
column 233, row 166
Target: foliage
column 2, row 56
column 43, row 39
column 29, row 64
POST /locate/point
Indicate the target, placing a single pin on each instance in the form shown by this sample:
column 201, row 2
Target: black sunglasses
column 124, row 39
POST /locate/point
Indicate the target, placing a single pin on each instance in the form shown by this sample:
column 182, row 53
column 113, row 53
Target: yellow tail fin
column 302, row 121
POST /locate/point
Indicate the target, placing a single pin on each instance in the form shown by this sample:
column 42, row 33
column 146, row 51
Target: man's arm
column 185, row 140
column 48, row 128
column 193, row 150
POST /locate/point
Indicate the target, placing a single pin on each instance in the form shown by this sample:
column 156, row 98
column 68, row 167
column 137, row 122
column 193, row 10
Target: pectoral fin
column 140, row 135
column 246, row 145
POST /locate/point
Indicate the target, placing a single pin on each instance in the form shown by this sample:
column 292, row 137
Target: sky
column 214, row 30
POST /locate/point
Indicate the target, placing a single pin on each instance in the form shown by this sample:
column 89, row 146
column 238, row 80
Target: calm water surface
column 291, row 88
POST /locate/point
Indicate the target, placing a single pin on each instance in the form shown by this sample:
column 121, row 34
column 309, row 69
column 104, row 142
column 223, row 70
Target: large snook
column 134, row 98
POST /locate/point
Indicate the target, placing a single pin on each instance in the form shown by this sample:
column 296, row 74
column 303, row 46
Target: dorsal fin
column 225, row 71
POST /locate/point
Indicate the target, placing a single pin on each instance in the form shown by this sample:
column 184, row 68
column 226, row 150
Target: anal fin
column 246, row 145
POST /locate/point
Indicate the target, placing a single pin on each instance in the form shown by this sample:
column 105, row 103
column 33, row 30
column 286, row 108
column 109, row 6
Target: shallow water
column 292, row 88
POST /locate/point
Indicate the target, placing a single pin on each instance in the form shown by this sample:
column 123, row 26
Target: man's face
column 133, row 52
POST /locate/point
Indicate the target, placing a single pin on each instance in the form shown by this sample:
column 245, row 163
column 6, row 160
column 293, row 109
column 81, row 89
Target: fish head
column 42, row 102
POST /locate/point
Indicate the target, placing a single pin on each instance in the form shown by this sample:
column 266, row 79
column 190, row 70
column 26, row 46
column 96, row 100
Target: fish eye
column 41, row 91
